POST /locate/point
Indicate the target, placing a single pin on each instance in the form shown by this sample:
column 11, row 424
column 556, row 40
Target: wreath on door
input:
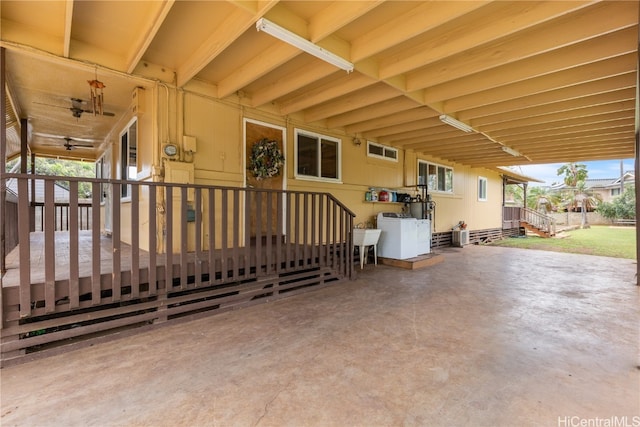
column 266, row 159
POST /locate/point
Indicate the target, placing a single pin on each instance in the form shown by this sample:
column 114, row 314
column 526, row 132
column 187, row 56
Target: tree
column 622, row 207
column 71, row 168
column 587, row 199
column 542, row 199
column 573, row 173
column 514, row 194
column 577, row 193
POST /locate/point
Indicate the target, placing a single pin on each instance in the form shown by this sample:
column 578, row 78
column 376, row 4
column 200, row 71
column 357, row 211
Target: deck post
column 3, row 169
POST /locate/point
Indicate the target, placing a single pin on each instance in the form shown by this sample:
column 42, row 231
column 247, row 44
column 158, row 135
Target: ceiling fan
column 70, row 143
column 77, row 108
column 72, row 146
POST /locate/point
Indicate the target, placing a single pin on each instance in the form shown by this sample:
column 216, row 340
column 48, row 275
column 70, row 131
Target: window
column 317, row 156
column 382, row 151
column 615, row 191
column 436, row 177
column 482, row 189
column 128, row 156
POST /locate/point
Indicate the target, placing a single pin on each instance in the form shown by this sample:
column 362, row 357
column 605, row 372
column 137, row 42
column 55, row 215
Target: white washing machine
column 399, row 236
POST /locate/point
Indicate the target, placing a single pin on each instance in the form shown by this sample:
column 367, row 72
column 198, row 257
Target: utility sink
column 364, row 237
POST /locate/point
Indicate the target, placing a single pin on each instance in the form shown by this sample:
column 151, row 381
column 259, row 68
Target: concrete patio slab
column 489, row 337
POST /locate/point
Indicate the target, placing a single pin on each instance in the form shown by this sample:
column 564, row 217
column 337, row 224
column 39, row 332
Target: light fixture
column 511, row 151
column 357, row 142
column 456, row 123
column 295, row 40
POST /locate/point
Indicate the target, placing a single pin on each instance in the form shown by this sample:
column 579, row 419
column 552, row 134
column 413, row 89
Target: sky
column 597, row 170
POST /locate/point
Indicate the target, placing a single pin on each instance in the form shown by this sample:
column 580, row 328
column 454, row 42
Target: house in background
column 607, row 188
column 169, row 99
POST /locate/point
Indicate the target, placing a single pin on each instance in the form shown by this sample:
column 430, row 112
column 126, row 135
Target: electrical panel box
column 189, row 143
column 181, row 173
column 137, row 101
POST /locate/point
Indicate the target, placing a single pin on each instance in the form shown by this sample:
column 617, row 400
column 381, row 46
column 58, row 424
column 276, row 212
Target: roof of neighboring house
column 595, row 183
column 61, row 194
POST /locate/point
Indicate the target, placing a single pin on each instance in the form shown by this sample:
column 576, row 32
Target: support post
column 3, row 169
column 637, row 160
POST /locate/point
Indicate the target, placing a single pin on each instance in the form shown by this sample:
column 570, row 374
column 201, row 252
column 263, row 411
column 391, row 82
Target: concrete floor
column 489, row 337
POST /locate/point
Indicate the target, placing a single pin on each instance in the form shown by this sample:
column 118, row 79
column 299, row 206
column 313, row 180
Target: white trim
column 125, row 130
column 385, row 148
column 482, row 179
column 319, row 136
column 437, row 165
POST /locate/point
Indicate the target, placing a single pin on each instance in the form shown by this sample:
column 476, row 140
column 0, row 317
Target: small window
column 128, row 156
column 436, row 177
column 382, row 151
column 482, row 189
column 317, row 156
column 615, row 191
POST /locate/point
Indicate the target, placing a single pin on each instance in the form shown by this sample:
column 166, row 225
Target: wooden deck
column 226, row 247
column 62, row 260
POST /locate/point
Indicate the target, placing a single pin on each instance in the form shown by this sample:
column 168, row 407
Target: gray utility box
column 460, row 238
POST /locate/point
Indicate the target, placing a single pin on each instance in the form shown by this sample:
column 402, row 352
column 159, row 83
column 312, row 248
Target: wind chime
column 97, row 95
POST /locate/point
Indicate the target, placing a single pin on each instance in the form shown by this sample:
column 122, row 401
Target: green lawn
column 617, row 242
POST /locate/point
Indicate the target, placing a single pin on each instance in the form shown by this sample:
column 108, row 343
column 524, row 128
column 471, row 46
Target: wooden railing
column 539, row 220
column 174, row 250
column 512, row 216
column 61, row 216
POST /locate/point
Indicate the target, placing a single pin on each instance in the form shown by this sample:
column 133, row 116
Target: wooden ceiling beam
column 610, row 45
column 417, row 21
column 148, row 30
column 68, row 21
column 556, row 80
column 620, row 137
column 412, row 144
column 505, row 18
column 418, row 113
column 268, row 60
column 463, row 151
column 291, row 82
column 568, row 148
column 576, row 135
column 339, row 15
column 358, row 99
column 221, row 37
column 608, row 118
column 393, row 105
column 562, row 110
column 402, row 128
column 337, row 87
column 568, row 30
column 489, row 113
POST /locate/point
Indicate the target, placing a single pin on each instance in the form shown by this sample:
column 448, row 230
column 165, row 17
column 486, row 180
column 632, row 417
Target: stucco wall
column 575, row 218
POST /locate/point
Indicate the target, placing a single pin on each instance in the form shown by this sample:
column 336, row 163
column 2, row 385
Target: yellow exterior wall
column 144, row 111
column 219, row 160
